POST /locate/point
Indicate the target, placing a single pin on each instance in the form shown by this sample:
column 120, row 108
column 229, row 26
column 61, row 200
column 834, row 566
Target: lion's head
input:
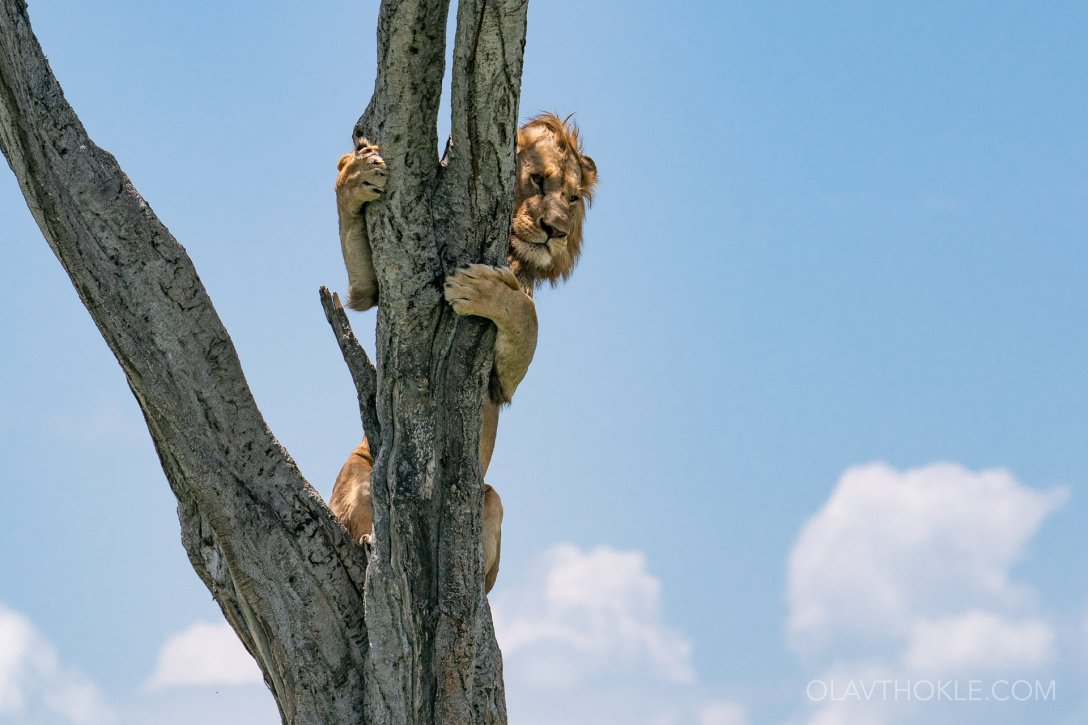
column 554, row 185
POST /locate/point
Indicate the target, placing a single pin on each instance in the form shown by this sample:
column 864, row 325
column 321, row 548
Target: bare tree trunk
column 405, row 637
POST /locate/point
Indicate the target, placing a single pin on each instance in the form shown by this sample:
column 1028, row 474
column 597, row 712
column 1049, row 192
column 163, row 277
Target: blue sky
column 811, row 409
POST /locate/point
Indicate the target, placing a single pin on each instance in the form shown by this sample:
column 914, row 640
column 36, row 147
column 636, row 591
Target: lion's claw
column 481, row 290
column 362, row 175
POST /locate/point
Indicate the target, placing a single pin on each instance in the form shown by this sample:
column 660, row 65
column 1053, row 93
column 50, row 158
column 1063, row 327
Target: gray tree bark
column 400, row 633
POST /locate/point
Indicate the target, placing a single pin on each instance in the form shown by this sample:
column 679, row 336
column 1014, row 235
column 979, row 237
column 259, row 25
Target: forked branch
column 282, row 569
column 487, row 64
column 403, row 111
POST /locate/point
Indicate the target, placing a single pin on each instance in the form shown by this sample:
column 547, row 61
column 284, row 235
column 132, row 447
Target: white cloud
column 601, row 604
column 34, row 686
column 681, row 711
column 906, row 577
column 250, row 705
column 890, row 548
column 834, row 702
column 978, row 642
column 204, row 654
column 584, row 639
column 722, row 713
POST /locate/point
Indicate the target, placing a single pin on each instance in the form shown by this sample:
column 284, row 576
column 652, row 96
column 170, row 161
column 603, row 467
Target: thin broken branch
column 363, row 372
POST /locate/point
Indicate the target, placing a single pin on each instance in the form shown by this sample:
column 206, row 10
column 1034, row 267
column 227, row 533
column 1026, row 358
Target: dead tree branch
column 363, row 372
column 283, row 570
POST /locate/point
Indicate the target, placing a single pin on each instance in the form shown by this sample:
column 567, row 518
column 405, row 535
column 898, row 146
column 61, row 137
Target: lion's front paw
column 483, row 291
column 362, row 176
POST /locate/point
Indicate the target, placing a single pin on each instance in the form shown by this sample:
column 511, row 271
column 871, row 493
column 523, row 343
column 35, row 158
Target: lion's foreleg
column 354, row 243
column 515, row 345
column 360, row 179
column 494, row 293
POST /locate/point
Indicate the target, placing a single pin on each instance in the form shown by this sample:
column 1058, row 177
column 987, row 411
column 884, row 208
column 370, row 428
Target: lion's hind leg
column 492, row 530
column 350, row 502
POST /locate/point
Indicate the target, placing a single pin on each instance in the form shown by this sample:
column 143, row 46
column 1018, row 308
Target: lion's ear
column 589, row 172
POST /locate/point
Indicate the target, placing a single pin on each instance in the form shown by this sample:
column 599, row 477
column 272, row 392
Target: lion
column 554, row 186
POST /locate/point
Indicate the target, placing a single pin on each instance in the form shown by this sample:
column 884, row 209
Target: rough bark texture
column 287, row 576
column 425, row 580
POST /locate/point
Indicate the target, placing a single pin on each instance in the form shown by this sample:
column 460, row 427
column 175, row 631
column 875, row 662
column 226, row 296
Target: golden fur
column 554, row 185
column 360, row 179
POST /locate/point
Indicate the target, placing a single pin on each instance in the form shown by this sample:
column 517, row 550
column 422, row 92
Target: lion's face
column 554, row 186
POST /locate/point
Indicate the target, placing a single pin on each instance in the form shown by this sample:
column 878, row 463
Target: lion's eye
column 538, row 181
column 574, row 199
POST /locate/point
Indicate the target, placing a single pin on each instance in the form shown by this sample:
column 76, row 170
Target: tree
column 398, row 632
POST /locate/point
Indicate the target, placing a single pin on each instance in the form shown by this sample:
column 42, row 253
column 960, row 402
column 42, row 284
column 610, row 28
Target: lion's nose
column 552, row 232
